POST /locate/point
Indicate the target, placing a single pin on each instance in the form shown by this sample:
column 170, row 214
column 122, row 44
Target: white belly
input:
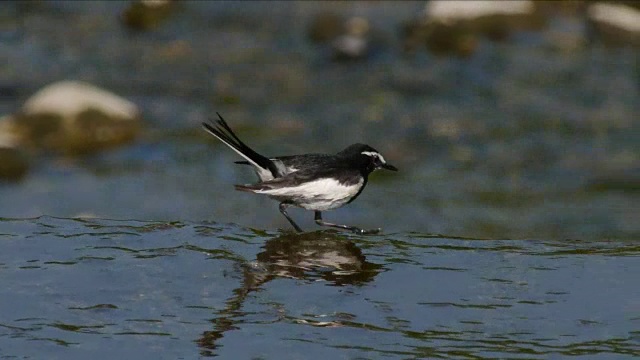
column 320, row 195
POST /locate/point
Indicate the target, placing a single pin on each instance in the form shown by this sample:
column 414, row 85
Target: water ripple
column 200, row 288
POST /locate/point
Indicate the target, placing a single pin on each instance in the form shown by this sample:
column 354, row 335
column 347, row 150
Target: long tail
column 247, row 188
column 224, row 133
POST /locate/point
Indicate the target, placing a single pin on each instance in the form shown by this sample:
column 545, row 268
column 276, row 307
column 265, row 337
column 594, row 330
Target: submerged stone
column 347, row 39
column 452, row 27
column 145, row 15
column 14, row 163
column 325, row 27
column 73, row 117
column 615, row 24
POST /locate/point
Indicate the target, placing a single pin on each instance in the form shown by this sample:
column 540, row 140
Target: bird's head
column 367, row 157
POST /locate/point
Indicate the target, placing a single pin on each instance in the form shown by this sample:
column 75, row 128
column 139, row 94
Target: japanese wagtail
column 317, row 182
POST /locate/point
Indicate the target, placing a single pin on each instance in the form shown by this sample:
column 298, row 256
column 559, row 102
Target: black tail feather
column 224, row 132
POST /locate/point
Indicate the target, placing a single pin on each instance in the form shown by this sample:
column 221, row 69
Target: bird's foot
column 366, row 231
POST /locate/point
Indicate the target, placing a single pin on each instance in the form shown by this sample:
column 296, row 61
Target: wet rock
column 615, row 24
column 147, row 14
column 626, row 181
column 354, row 43
column 14, row 163
column 439, row 38
column 453, row 27
column 348, row 40
column 325, row 27
column 72, row 117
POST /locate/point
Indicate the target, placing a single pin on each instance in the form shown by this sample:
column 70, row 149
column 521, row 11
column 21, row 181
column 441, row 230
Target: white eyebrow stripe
column 373, row 153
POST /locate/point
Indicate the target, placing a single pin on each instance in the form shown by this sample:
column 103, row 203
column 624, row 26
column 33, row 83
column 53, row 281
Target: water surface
column 524, row 156
column 78, row 288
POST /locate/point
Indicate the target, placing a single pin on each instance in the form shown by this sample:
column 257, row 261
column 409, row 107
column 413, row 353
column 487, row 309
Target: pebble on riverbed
column 144, row 15
column 348, row 39
column 13, row 161
column 73, row 118
column 615, row 24
column 453, row 27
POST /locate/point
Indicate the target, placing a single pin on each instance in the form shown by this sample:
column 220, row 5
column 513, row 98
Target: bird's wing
column 297, row 178
column 293, row 163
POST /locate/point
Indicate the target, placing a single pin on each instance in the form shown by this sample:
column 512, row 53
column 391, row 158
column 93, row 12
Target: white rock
column 83, row 119
column 8, row 138
column 451, row 10
column 69, row 98
column 621, row 16
column 155, row 3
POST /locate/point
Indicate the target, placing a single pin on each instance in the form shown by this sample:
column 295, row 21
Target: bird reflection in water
column 316, row 256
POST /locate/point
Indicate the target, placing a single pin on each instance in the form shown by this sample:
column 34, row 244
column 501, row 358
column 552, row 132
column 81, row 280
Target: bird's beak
column 389, row 167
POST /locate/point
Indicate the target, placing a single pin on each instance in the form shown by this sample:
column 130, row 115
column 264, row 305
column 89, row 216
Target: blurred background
column 507, row 119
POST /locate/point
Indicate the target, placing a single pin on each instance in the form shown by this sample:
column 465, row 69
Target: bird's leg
column 319, row 221
column 283, row 210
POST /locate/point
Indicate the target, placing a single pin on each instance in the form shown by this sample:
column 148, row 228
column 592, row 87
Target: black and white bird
column 317, row 182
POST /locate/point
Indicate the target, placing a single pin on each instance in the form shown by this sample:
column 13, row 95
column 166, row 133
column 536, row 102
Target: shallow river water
column 511, row 230
column 78, row 288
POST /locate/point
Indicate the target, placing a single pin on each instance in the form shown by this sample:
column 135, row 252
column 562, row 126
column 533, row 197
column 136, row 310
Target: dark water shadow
column 316, row 256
